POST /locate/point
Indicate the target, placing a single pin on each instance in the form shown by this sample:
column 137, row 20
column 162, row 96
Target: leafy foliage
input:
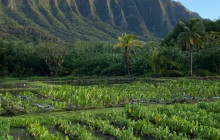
column 128, row 41
column 5, row 130
column 192, row 36
column 55, row 58
column 204, row 31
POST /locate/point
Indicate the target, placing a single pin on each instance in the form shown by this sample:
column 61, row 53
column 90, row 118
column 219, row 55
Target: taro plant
column 41, row 133
column 5, row 130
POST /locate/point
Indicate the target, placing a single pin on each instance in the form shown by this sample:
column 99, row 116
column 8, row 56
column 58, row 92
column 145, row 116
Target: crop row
column 74, row 131
column 72, row 97
column 97, row 96
column 105, row 127
column 194, row 88
column 34, row 128
column 4, row 130
column 29, row 102
column 210, row 107
column 169, row 122
column 195, row 112
column 41, row 133
column 175, row 123
column 1, row 109
column 145, row 127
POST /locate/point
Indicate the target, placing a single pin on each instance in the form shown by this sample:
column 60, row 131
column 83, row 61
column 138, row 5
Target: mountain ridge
column 75, row 20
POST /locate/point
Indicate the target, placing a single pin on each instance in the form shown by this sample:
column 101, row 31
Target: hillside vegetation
column 74, row 20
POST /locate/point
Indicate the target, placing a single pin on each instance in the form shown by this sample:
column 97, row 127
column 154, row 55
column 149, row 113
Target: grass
column 48, row 116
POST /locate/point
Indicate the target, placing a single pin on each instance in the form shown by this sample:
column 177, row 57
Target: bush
column 201, row 73
column 173, row 73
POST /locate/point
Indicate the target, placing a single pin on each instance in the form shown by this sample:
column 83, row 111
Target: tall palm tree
column 128, row 41
column 190, row 37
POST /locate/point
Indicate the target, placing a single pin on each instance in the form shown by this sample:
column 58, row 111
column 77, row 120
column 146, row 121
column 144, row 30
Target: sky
column 206, row 8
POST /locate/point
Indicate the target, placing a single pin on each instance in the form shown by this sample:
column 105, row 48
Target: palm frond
column 191, row 40
column 182, row 24
column 198, row 40
column 119, row 45
column 137, row 43
column 186, row 29
column 120, row 39
column 182, row 39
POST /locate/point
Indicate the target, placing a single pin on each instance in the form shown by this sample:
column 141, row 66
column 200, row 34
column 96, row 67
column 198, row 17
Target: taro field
column 173, row 109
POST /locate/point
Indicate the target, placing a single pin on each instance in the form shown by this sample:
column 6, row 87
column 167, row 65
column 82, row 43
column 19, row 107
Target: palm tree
column 190, row 37
column 128, row 41
column 153, row 60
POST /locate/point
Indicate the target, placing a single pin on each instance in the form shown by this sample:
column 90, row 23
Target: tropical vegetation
column 191, row 37
column 168, row 58
column 60, row 87
column 128, row 41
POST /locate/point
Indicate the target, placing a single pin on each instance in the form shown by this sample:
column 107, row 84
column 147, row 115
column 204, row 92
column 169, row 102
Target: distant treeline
column 19, row 58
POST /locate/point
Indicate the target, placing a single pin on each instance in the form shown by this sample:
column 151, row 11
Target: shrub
column 173, row 73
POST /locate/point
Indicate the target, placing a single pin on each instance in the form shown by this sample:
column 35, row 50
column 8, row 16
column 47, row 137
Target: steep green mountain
column 74, row 20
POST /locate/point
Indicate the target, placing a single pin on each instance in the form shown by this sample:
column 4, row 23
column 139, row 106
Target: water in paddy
column 87, row 82
column 98, row 135
column 53, row 130
column 101, row 136
column 108, row 81
column 145, row 137
column 20, row 134
column 10, row 85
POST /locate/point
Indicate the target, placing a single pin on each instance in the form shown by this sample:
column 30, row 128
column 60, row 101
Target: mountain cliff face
column 73, row 20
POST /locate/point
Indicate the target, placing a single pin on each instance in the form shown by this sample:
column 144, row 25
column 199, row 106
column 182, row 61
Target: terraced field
column 168, row 109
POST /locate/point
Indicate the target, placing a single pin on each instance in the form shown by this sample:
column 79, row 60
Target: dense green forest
column 171, row 57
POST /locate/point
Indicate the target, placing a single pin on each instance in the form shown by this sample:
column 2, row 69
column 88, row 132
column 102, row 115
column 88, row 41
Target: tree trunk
column 129, row 74
column 154, row 70
column 127, row 60
column 217, row 68
column 191, row 60
column 57, row 71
